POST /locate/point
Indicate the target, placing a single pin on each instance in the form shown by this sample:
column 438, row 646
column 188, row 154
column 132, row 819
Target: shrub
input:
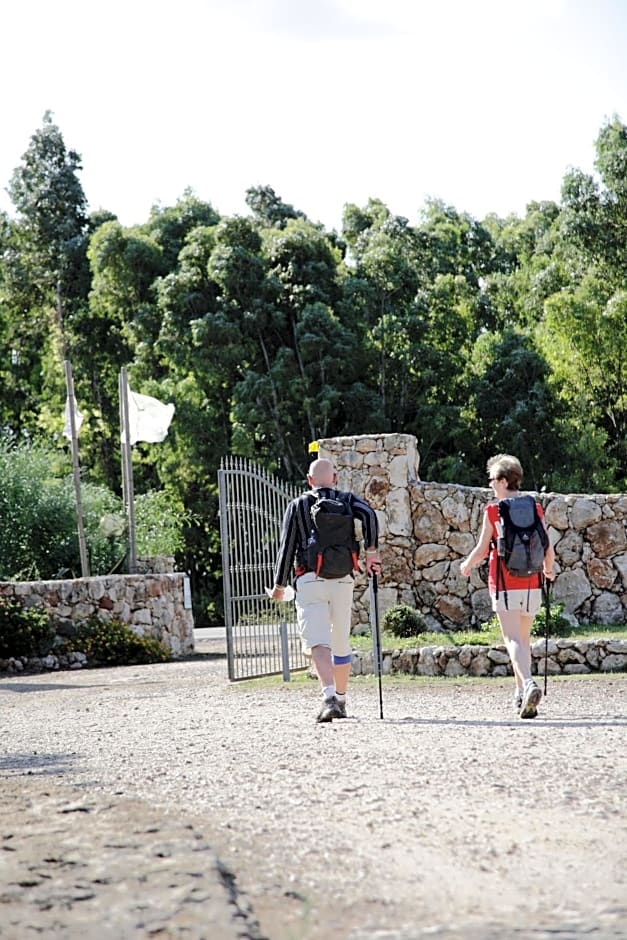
column 24, row 631
column 403, row 621
column 38, row 528
column 112, row 643
column 159, row 520
column 38, row 531
column 559, row 624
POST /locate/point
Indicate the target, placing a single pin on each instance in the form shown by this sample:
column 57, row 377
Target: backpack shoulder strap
column 541, row 527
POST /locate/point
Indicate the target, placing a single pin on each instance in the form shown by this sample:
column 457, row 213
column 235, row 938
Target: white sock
column 328, row 691
column 340, row 696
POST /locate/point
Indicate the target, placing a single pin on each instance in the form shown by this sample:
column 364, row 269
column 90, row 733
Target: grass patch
column 588, row 632
column 390, row 641
column 485, row 637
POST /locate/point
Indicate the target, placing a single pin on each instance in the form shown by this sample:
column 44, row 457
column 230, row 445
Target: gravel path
column 132, row 796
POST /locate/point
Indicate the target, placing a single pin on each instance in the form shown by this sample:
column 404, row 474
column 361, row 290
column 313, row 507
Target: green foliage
column 389, row 640
column 268, row 332
column 268, row 208
column 586, row 340
column 38, row 529
column 403, row 621
column 511, row 405
column 24, row 631
column 488, row 635
column 44, row 275
column 159, row 521
column 38, row 525
column 559, row 625
column 111, row 643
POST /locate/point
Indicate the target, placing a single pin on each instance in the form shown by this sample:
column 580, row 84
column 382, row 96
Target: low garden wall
column 155, row 605
column 565, row 657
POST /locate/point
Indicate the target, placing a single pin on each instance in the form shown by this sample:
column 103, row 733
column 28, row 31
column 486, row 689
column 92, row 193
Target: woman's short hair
column 506, row 467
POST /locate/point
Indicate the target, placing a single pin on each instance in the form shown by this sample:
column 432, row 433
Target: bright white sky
column 482, row 103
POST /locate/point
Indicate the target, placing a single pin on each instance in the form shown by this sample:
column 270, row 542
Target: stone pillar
column 380, row 468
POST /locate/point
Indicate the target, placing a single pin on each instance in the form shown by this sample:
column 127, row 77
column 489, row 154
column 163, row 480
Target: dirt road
column 162, row 801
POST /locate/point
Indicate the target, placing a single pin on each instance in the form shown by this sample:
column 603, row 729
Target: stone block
column 480, row 665
column 142, row 616
column 454, row 668
column 614, row 662
column 498, row 656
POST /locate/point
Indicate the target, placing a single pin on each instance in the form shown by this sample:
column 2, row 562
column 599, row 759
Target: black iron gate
column 261, row 635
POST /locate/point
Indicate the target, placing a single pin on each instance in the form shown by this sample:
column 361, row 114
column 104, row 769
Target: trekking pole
column 376, row 636
column 547, row 609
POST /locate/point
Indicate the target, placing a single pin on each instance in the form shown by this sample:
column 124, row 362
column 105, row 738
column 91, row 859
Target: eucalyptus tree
column 585, row 338
column 46, row 275
column 386, row 274
column 268, row 208
column 419, row 297
column 455, row 243
column 51, row 211
column 513, row 408
column 593, row 222
column 315, row 360
column 110, row 331
column 585, row 325
column 527, row 267
column 170, row 226
column 177, row 360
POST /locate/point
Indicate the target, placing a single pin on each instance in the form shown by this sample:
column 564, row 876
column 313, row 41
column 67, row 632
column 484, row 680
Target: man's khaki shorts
column 324, row 608
column 520, row 602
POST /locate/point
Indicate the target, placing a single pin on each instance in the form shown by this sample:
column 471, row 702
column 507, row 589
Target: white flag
column 148, row 418
column 78, row 419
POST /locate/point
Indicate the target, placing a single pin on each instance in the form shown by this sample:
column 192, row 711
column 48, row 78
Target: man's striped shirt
column 297, row 526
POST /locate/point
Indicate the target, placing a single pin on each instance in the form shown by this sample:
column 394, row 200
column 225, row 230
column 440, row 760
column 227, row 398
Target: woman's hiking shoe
column 531, row 697
column 342, row 707
column 331, row 709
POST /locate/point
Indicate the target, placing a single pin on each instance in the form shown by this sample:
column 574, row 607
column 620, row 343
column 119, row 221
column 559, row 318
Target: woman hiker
column 515, row 600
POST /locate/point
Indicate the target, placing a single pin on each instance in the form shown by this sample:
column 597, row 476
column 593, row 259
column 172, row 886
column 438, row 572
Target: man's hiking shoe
column 331, row 709
column 517, row 700
column 531, row 697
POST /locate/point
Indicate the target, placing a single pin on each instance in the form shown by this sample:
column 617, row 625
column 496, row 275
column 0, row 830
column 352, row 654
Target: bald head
column 321, row 473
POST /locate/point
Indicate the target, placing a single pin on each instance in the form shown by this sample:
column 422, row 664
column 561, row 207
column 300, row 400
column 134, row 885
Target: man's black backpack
column 524, row 541
column 331, row 549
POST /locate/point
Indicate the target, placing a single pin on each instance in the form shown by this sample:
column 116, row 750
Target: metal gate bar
column 252, row 506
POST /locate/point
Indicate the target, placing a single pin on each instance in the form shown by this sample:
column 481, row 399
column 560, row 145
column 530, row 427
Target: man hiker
column 319, row 547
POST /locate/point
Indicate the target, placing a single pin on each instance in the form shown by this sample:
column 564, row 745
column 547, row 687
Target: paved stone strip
column 94, row 868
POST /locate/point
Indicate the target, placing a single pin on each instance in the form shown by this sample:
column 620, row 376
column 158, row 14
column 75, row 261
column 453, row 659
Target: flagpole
column 76, row 471
column 127, row 471
column 122, row 439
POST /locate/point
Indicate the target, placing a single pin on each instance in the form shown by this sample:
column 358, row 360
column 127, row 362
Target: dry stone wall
column 157, row 605
column 563, row 657
column 428, row 528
